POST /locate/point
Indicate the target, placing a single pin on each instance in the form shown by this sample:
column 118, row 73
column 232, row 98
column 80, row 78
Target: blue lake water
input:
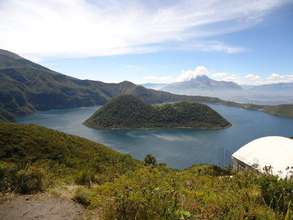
column 179, row 148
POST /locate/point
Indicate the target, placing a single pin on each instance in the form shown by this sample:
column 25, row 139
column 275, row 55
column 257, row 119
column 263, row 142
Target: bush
column 83, row 197
column 150, row 160
column 86, row 178
column 277, row 193
column 7, row 176
column 145, row 194
column 30, row 180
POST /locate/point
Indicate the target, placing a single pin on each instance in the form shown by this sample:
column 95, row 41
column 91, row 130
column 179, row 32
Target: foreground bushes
column 28, row 179
column 202, row 192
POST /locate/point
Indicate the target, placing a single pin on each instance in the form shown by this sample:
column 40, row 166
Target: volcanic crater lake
column 179, row 148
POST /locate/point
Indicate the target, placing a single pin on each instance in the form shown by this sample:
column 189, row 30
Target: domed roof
column 273, row 151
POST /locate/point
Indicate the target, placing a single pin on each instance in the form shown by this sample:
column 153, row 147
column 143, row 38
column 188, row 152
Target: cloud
column 83, row 28
column 190, row 74
column 217, row 46
column 254, row 79
column 249, row 79
column 278, row 78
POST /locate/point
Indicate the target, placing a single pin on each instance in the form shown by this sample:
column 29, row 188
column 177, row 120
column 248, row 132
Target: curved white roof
column 273, row 151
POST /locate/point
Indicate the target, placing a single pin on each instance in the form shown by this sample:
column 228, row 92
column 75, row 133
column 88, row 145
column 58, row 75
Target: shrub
column 85, row 177
column 150, row 160
column 145, row 194
column 7, row 176
column 82, row 196
column 277, row 193
column 30, row 180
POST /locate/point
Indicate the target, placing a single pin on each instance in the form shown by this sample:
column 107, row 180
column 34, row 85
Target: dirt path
column 40, row 206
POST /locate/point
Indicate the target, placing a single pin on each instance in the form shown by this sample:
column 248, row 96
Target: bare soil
column 39, row 206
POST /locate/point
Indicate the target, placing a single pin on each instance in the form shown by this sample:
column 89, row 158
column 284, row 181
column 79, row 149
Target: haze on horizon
column 154, row 41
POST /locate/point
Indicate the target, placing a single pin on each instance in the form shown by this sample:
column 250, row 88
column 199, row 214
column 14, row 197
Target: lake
column 179, row 148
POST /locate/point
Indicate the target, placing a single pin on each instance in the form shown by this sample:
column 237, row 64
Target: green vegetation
column 130, row 112
column 34, row 159
column 201, row 192
column 150, row 160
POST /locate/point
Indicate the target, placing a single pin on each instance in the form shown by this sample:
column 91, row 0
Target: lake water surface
column 179, row 148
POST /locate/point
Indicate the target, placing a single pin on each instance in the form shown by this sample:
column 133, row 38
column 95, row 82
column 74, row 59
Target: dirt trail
column 41, row 207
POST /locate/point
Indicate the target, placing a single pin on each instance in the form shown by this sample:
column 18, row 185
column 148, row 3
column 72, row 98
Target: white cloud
column 217, row 46
column 249, row 79
column 79, row 28
column 278, row 78
column 190, row 74
column 252, row 77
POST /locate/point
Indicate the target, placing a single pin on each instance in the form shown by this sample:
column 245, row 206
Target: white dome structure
column 273, row 151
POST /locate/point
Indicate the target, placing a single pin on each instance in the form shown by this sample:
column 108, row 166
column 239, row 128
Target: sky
column 248, row 42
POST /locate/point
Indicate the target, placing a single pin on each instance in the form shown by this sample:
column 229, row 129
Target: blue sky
column 249, row 42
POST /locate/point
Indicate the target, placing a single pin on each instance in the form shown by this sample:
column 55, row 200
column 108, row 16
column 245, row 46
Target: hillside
column 130, row 112
column 34, row 159
column 58, row 156
column 280, row 110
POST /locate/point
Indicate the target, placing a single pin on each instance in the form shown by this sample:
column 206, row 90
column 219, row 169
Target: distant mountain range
column 276, row 87
column 277, row 93
column 201, row 83
column 206, row 83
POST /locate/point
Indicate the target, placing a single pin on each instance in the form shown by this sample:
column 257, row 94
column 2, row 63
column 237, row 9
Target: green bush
column 7, row 176
column 145, row 194
column 86, row 177
column 150, row 160
column 82, row 196
column 30, row 180
column 277, row 193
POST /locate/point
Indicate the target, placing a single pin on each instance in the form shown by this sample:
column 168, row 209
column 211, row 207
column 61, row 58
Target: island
column 128, row 111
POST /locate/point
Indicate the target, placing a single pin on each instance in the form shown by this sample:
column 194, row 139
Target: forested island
column 128, row 111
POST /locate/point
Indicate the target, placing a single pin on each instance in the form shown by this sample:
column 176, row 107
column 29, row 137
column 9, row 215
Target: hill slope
column 31, row 150
column 130, row 112
column 279, row 110
column 120, row 187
